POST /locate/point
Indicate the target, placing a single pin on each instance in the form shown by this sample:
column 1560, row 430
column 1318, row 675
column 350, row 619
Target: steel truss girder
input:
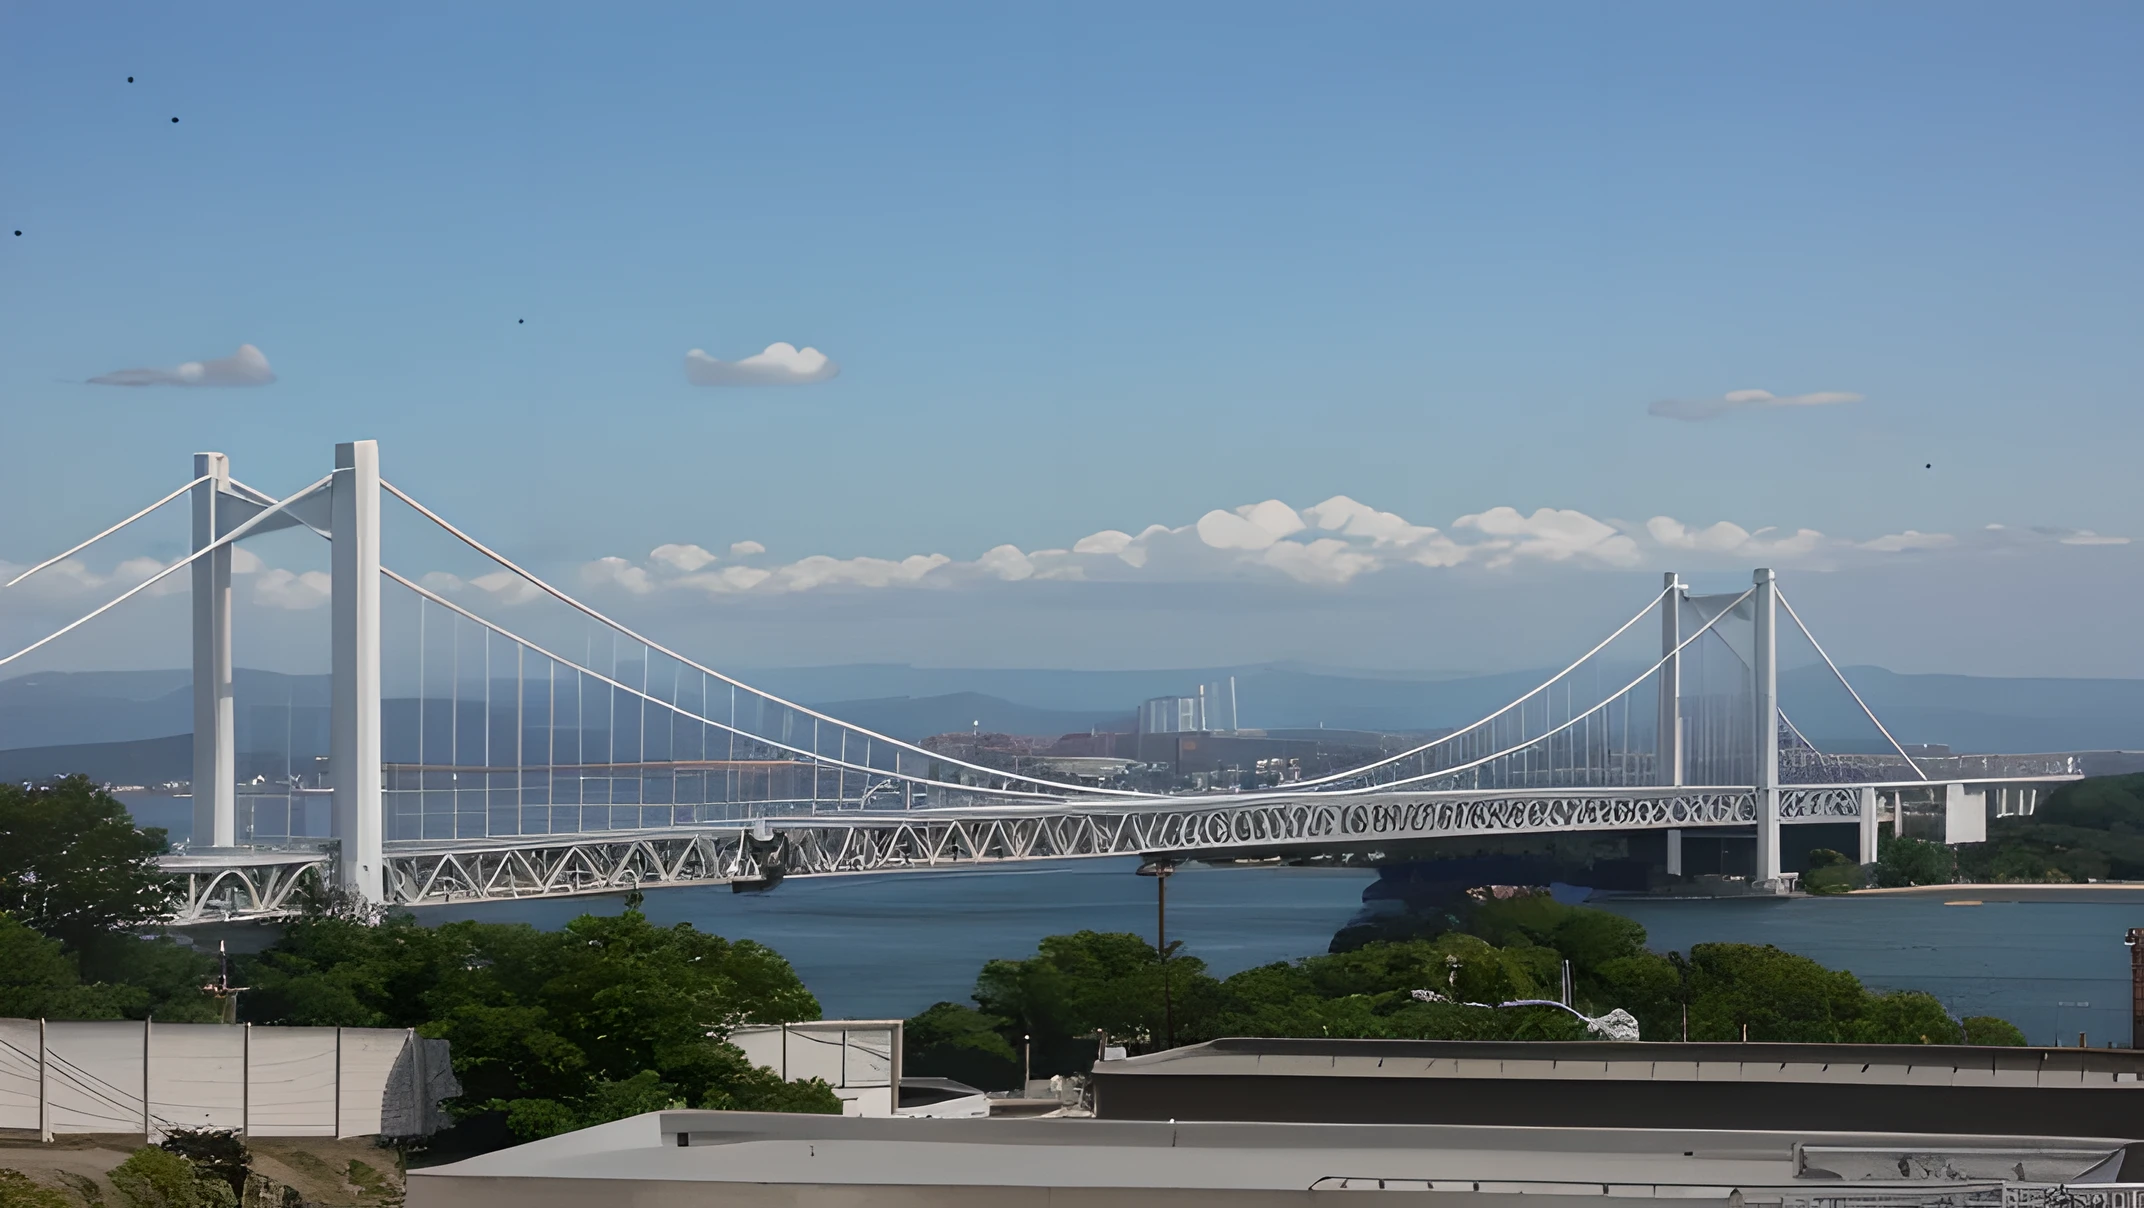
column 541, row 866
column 248, row 885
column 873, row 841
column 1822, row 803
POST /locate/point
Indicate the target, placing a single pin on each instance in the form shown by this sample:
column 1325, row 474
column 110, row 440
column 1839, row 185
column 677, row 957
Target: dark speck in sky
column 130, row 79
column 174, row 121
column 1930, row 466
column 520, row 320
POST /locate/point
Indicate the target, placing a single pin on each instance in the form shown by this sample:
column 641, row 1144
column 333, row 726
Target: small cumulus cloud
column 778, row 365
column 745, row 549
column 686, row 558
column 246, row 367
column 500, row 586
column 296, row 592
column 1744, row 400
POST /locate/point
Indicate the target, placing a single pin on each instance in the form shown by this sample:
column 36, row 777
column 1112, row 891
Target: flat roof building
column 1898, row 1088
column 802, row 1161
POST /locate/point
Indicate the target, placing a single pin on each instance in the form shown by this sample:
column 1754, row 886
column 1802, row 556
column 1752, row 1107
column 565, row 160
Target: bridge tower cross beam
column 215, row 778
column 1764, row 681
column 354, row 661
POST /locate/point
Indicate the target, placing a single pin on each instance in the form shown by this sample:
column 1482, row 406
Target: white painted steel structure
column 723, row 782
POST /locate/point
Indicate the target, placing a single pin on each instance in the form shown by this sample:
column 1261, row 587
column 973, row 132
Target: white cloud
column 246, row 367
column 681, row 557
column 618, row 571
column 1329, row 544
column 280, row 588
column 501, row 586
column 1550, row 535
column 779, row 365
column 1899, row 543
column 1744, row 400
column 745, row 549
column 1725, row 537
column 1108, row 541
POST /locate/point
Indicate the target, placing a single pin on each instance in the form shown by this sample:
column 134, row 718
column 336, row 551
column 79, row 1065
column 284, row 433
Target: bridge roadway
column 238, row 883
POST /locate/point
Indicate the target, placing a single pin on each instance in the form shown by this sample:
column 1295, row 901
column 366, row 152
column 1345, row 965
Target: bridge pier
column 1867, row 854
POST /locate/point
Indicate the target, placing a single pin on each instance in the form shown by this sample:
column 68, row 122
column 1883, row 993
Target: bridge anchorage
column 572, row 755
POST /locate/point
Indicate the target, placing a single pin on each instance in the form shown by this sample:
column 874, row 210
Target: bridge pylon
column 354, row 692
column 215, row 781
column 1764, row 681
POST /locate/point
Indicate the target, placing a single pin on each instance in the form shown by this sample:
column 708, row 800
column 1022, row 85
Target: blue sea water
column 2052, row 968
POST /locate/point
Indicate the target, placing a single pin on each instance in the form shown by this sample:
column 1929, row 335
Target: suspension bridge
column 467, row 760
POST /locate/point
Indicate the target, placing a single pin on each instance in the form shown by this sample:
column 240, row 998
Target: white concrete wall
column 859, row 1058
column 91, row 1077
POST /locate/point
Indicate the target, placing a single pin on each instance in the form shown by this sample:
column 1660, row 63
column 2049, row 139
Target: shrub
column 17, row 1191
column 215, row 1153
column 1986, row 1029
column 158, row 1178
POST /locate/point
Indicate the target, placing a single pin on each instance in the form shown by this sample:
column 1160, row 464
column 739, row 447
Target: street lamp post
column 1161, row 870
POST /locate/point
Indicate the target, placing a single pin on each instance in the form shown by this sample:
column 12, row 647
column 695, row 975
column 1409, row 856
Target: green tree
column 1986, row 1029
column 1778, row 995
column 1832, row 872
column 959, row 1042
column 1907, row 861
column 2106, row 803
column 558, row 1030
column 1648, row 985
column 1904, row 1017
column 1078, row 984
column 38, row 980
column 72, row 864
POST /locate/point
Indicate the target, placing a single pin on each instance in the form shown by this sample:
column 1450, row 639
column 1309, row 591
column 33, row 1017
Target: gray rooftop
column 798, row 1159
column 1884, row 1064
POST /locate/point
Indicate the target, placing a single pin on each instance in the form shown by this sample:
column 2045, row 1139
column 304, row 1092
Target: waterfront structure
column 512, row 768
column 799, row 1161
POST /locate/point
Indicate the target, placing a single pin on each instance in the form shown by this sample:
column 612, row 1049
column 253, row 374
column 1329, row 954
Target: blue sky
column 1090, row 268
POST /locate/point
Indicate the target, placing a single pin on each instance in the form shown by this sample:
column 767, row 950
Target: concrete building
column 1213, row 708
column 1904, row 1088
column 799, row 1161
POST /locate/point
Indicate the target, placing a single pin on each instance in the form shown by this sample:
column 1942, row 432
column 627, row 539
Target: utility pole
column 2135, row 940
column 1161, row 870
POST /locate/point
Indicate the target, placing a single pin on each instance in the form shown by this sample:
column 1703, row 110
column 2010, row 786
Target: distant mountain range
column 121, row 725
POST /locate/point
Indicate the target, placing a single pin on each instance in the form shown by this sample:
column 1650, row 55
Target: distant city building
column 1213, row 709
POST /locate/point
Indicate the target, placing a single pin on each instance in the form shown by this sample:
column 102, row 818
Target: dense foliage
column 605, row 1018
column 1909, row 861
column 2088, row 830
column 74, row 870
column 72, row 864
column 1081, row 985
